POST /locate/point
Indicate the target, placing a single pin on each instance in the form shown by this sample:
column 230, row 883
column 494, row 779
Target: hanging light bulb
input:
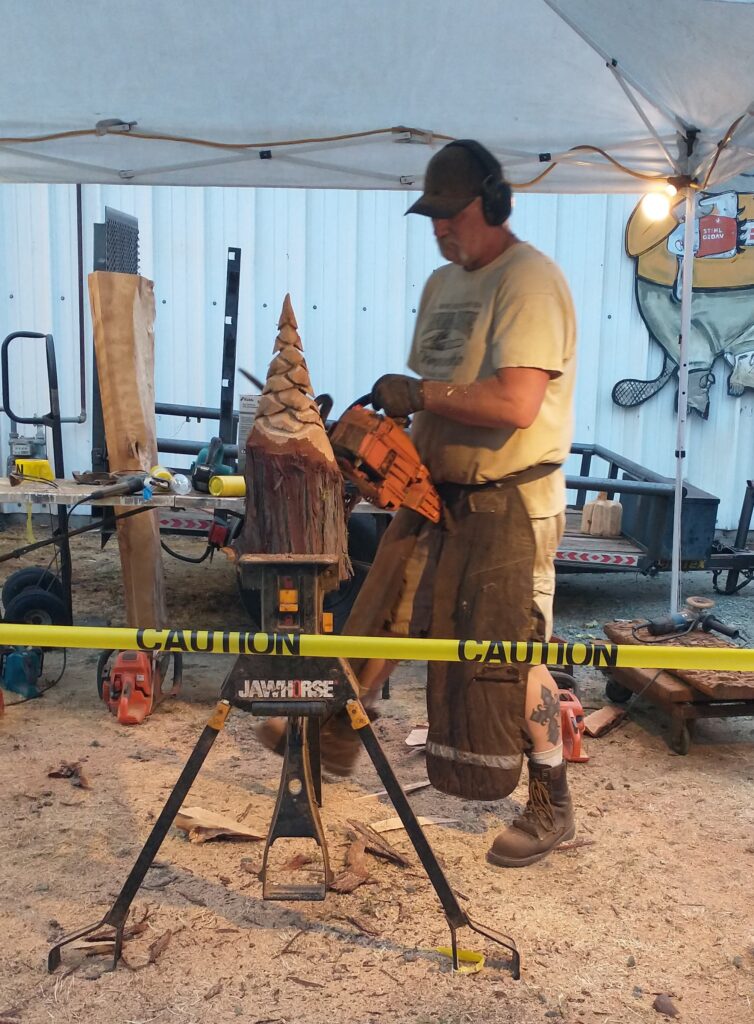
column 656, row 205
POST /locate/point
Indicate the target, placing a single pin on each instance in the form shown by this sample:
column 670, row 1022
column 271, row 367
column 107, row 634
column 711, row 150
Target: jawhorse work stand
column 307, row 691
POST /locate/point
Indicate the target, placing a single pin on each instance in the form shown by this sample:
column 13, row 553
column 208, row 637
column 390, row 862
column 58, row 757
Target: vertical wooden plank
column 123, row 316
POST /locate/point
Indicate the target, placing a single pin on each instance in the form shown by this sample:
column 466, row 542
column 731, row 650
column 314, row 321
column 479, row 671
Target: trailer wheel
column 36, row 607
column 616, row 693
column 31, row 576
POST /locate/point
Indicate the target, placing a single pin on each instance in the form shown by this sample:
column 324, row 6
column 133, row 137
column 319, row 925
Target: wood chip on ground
column 70, row 770
column 378, row 846
column 203, row 825
column 356, row 872
column 391, row 824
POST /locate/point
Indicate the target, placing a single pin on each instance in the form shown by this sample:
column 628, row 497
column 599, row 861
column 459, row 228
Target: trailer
column 645, row 544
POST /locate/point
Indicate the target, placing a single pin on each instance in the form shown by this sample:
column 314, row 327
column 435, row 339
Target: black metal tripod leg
column 455, row 914
column 116, row 916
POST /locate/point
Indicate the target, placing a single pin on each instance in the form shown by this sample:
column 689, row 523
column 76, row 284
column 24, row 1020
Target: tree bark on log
column 294, row 489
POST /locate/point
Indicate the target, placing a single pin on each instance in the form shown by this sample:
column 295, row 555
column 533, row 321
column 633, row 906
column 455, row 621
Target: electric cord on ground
column 186, row 558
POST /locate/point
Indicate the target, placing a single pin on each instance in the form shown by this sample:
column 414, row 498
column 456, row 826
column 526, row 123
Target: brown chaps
column 479, row 581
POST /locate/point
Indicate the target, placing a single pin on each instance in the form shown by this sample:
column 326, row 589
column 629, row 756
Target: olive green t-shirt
column 515, row 311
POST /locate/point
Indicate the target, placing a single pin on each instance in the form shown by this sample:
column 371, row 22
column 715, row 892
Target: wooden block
column 599, row 722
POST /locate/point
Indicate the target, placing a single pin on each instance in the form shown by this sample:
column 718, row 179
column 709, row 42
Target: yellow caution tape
column 469, row 962
column 303, row 645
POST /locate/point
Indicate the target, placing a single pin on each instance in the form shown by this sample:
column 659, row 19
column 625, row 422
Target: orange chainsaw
column 135, row 683
column 376, row 454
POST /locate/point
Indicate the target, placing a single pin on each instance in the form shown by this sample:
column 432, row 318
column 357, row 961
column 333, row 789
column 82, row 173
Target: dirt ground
column 658, row 901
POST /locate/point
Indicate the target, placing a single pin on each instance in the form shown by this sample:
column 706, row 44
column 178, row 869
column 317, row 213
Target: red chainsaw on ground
column 376, row 454
column 136, row 682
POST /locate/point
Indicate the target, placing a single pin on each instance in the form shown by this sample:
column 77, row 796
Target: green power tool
column 209, row 463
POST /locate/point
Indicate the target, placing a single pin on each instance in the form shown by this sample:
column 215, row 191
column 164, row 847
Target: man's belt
column 451, row 493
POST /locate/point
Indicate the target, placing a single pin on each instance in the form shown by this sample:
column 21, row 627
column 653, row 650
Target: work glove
column 398, row 395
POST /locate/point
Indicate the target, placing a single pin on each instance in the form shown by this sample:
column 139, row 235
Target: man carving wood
column 494, row 351
column 494, row 348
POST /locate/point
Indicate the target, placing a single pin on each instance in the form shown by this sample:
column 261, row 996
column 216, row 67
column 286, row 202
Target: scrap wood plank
column 123, row 313
column 203, row 825
column 598, row 723
column 392, row 824
column 716, row 685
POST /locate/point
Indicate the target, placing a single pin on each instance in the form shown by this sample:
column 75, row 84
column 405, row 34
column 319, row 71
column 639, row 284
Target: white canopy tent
column 572, row 95
column 527, row 77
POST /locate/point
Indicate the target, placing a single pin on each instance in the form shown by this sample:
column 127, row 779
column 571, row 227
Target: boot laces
column 538, row 808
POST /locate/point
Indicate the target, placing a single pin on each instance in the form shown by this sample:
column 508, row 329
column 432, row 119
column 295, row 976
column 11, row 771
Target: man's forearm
column 511, row 398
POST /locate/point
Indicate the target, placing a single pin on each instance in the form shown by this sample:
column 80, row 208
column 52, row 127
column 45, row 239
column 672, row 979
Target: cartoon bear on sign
column 722, row 309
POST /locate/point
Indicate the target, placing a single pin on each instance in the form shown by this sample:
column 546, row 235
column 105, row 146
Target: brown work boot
column 339, row 744
column 546, row 822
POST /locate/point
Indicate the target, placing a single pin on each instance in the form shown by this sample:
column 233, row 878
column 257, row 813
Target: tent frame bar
column 618, row 76
column 610, row 61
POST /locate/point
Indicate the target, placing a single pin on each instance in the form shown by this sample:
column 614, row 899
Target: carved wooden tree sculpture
column 294, row 489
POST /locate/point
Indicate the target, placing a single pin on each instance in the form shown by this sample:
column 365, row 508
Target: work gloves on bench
column 398, row 395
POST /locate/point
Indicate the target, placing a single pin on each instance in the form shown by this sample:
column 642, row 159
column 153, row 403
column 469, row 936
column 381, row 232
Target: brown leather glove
column 398, row 395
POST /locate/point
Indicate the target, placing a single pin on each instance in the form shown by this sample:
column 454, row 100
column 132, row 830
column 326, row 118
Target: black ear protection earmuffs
column 496, row 194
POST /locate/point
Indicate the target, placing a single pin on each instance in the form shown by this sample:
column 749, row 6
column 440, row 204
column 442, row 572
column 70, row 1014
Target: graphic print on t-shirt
column 442, row 343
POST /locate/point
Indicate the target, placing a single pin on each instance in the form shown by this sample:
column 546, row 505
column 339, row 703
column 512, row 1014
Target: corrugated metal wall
column 354, row 266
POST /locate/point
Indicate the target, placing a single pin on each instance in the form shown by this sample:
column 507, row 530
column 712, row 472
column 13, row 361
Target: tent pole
column 683, row 383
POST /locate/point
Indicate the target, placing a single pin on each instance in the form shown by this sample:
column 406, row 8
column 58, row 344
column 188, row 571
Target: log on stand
column 294, row 489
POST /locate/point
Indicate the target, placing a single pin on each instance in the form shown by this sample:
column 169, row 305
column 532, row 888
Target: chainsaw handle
column 324, row 405
column 364, row 400
column 402, row 421
column 215, row 451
